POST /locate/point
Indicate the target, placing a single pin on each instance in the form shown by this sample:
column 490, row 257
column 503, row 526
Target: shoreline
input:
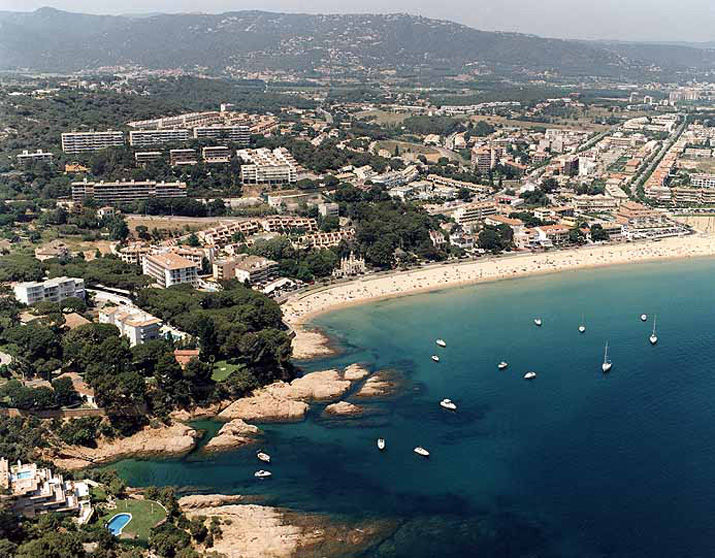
column 310, row 343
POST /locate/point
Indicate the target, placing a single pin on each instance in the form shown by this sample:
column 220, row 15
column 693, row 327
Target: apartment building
column 397, row 178
column 223, row 234
column 256, row 270
column 112, row 193
column 693, row 196
column 36, row 490
column 552, row 235
column 84, row 142
column 263, row 166
column 702, row 181
column 287, row 223
column 238, row 134
column 27, row 157
column 51, row 290
column 474, row 213
column 216, row 154
column 596, row 203
column 329, row 209
column 170, row 269
column 146, row 138
column 326, row 239
column 179, row 157
column 189, row 120
column 137, row 326
column 144, row 157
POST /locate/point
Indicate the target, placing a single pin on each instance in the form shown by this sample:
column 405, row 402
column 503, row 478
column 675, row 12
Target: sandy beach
column 303, row 307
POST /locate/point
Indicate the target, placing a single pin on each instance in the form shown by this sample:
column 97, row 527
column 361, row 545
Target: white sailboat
column 607, row 364
column 582, row 326
column 653, row 337
column 644, row 317
column 262, row 474
column 530, row 375
column 435, row 358
column 441, row 342
column 502, row 365
column 381, row 444
column 538, row 322
column 419, row 450
column 263, row 456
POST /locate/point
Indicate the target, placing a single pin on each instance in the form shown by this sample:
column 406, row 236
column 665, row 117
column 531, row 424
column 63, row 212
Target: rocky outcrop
column 234, row 434
column 344, row 409
column 316, row 386
column 197, row 413
column 162, row 441
column 355, row 372
column 200, row 501
column 381, row 384
column 263, row 406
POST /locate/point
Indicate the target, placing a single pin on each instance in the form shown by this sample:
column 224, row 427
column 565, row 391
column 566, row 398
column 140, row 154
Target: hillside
column 53, row 40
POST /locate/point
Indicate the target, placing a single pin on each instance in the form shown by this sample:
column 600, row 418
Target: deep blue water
column 574, row 463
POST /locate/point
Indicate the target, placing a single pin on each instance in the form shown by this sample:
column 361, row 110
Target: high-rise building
column 52, row 290
column 216, row 154
column 144, row 157
column 144, row 138
column 179, row 157
column 111, row 193
column 32, row 156
column 239, row 134
column 83, row 142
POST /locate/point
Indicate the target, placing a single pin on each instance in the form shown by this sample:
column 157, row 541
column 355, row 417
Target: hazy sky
column 672, row 20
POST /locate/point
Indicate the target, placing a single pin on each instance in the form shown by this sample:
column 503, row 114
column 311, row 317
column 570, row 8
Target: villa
column 35, row 490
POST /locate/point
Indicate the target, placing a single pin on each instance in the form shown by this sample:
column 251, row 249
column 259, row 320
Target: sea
column 574, row 463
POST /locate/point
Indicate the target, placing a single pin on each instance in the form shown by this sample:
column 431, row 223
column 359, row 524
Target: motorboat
column 263, row 456
column 653, row 337
column 530, row 375
column 502, row 365
column 381, row 445
column 448, row 404
column 537, row 322
column 419, row 450
column 644, row 317
column 582, row 326
column 441, row 342
column 607, row 364
column 262, row 474
column 435, row 358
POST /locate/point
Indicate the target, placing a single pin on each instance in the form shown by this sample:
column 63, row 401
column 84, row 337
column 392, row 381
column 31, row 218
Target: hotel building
column 474, row 213
column 84, row 142
column 137, row 326
column 111, row 193
column 170, row 269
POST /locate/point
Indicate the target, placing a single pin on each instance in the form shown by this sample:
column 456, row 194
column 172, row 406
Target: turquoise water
column 118, row 522
column 574, row 463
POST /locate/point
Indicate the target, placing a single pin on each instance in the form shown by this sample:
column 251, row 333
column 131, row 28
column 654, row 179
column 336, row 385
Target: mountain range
column 58, row 41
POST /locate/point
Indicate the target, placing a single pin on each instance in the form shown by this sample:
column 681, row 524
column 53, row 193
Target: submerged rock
column 355, row 372
column 381, row 384
column 344, row 409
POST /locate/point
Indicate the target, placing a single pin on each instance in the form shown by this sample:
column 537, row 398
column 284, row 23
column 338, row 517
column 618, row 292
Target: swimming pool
column 118, row 522
column 24, row 475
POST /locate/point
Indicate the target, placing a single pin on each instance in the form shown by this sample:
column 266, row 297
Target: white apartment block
column 238, row 134
column 144, row 138
column 474, row 213
column 170, row 269
column 84, row 142
column 52, row 290
column 30, row 157
column 111, row 193
column 263, row 166
column 702, row 181
column 216, row 154
column 137, row 326
column 144, row 157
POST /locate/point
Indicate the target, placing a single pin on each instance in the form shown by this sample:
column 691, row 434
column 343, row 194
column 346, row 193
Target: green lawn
column 223, row 370
column 145, row 515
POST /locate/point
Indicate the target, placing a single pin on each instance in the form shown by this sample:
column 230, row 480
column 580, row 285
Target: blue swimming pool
column 24, row 475
column 118, row 522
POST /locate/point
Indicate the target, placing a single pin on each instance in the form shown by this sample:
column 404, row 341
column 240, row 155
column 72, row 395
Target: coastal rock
column 200, row 501
column 310, row 344
column 355, row 372
column 316, row 386
column 232, row 435
column 380, row 384
column 263, row 406
column 162, row 441
column 265, row 532
column 197, row 413
column 344, row 409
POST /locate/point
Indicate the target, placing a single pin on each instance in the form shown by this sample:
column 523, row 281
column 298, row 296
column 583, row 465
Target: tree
column 53, row 545
column 64, row 391
column 598, row 233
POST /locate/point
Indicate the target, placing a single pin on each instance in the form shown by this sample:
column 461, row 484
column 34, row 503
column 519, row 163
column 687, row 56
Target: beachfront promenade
column 302, row 307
